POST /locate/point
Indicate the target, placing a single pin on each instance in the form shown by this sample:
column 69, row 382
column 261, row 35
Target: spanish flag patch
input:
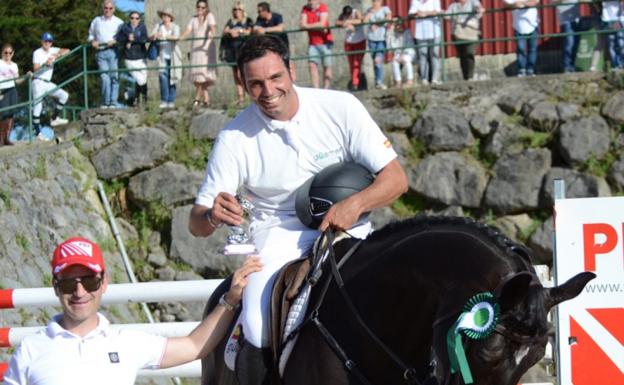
column 387, row 144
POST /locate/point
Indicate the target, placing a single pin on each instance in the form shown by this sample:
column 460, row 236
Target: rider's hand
column 342, row 215
column 240, row 278
column 226, row 209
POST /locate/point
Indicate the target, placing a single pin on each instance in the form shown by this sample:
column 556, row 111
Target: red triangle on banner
column 590, row 364
column 612, row 320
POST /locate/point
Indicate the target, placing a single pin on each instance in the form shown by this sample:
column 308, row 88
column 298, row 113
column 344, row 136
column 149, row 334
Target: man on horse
column 285, row 137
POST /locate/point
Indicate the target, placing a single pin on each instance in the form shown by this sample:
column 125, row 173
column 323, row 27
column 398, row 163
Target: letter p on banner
column 591, row 247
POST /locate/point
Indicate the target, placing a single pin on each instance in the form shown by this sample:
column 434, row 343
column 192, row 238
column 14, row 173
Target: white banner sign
column 590, row 237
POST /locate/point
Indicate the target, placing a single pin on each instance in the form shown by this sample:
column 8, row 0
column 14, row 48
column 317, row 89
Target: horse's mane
column 420, row 223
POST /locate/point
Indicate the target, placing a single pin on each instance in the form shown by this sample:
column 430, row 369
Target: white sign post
column 590, row 328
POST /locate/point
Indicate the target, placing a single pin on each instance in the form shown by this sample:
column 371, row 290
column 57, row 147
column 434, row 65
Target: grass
column 409, row 205
column 536, row 139
column 193, row 153
column 417, row 150
column 599, row 167
column 41, row 168
column 156, row 216
column 6, row 199
column 22, row 242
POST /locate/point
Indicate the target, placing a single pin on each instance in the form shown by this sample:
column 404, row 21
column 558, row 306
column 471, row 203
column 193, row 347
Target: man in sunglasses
column 79, row 344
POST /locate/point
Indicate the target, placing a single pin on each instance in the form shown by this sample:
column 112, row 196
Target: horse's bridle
column 409, row 373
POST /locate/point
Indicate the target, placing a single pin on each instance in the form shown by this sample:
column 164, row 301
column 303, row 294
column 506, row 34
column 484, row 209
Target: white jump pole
column 12, row 337
column 160, row 291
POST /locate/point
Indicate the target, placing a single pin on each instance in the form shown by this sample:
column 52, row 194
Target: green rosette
column 478, row 320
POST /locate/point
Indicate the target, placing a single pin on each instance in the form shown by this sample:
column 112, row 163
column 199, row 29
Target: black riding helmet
column 333, row 184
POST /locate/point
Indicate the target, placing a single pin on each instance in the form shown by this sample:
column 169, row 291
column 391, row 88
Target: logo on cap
column 77, row 251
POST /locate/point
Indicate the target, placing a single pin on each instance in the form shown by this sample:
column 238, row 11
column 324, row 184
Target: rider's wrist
column 228, row 304
column 208, row 217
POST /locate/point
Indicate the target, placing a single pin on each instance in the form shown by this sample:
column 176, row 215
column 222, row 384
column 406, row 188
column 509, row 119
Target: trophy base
column 239, row 249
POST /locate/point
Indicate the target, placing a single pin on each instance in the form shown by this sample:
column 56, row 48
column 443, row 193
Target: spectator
column 236, row 29
column 202, row 28
column 355, row 40
column 611, row 40
column 270, row 22
column 315, row 19
column 79, row 342
column 378, row 15
column 9, row 74
column 569, row 14
column 133, row 37
column 43, row 66
column 525, row 25
column 102, row 33
column 401, row 43
column 427, row 35
column 465, row 15
column 169, row 57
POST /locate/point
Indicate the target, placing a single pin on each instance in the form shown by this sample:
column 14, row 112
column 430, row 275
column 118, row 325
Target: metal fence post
column 85, row 77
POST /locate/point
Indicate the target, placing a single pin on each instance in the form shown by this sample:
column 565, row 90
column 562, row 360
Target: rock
column 541, row 244
column 204, row 255
column 394, row 119
column 166, row 273
column 480, row 126
column 141, row 148
column 544, row 116
column 207, row 125
column 450, row 211
column 187, row 276
column 401, row 144
column 381, row 217
column 449, row 177
column 169, row 183
column 506, row 139
column 103, row 127
column 616, row 174
column 568, row 112
column 613, row 109
column 581, row 139
column 127, row 230
column 517, row 180
column 157, row 257
column 514, row 226
column 577, row 185
column 519, row 99
column 443, row 128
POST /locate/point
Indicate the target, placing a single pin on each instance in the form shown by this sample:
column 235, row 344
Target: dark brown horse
column 408, row 284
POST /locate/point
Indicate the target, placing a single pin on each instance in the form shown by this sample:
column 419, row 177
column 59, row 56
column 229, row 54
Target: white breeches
column 406, row 60
column 279, row 242
column 139, row 70
column 40, row 87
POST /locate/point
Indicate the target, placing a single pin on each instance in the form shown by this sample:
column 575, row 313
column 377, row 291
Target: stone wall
column 488, row 149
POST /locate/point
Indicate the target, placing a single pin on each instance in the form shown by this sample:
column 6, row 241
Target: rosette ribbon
column 477, row 321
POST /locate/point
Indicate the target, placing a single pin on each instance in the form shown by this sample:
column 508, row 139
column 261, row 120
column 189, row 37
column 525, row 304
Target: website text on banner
column 590, row 237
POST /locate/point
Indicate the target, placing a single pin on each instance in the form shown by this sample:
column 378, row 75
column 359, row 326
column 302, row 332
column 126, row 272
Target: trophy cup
column 238, row 240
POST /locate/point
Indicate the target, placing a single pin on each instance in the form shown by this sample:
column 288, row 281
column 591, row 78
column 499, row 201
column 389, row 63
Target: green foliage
column 192, row 153
column 514, row 119
column 599, row 167
column 536, row 139
column 409, row 205
column 113, row 187
column 22, row 242
column 41, row 168
column 416, row 151
column 47, row 280
column 156, row 216
column 6, row 198
column 107, row 244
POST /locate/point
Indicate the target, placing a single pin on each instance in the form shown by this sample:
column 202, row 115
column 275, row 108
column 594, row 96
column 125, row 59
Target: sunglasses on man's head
column 68, row 285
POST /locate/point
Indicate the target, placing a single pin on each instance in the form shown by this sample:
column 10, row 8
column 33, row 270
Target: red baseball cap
column 77, row 251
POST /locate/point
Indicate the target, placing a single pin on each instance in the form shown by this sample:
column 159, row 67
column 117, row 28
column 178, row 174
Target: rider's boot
column 252, row 365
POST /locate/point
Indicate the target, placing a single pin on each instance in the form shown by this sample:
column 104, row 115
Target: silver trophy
column 238, row 240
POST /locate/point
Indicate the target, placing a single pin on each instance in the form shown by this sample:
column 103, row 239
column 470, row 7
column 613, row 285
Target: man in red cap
column 79, row 344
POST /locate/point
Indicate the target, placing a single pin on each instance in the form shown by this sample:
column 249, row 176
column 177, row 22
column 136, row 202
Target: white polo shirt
column 270, row 159
column 104, row 30
column 105, row 356
column 428, row 28
column 40, row 57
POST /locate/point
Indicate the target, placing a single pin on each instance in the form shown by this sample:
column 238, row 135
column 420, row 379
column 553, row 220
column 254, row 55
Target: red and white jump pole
column 161, row 291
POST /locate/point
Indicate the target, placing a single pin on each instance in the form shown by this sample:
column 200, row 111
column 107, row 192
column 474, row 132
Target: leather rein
column 409, row 373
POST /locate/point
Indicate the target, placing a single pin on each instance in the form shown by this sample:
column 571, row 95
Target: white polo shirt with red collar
column 105, row 356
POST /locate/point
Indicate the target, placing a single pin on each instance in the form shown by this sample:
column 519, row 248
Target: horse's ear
column 513, row 290
column 570, row 289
